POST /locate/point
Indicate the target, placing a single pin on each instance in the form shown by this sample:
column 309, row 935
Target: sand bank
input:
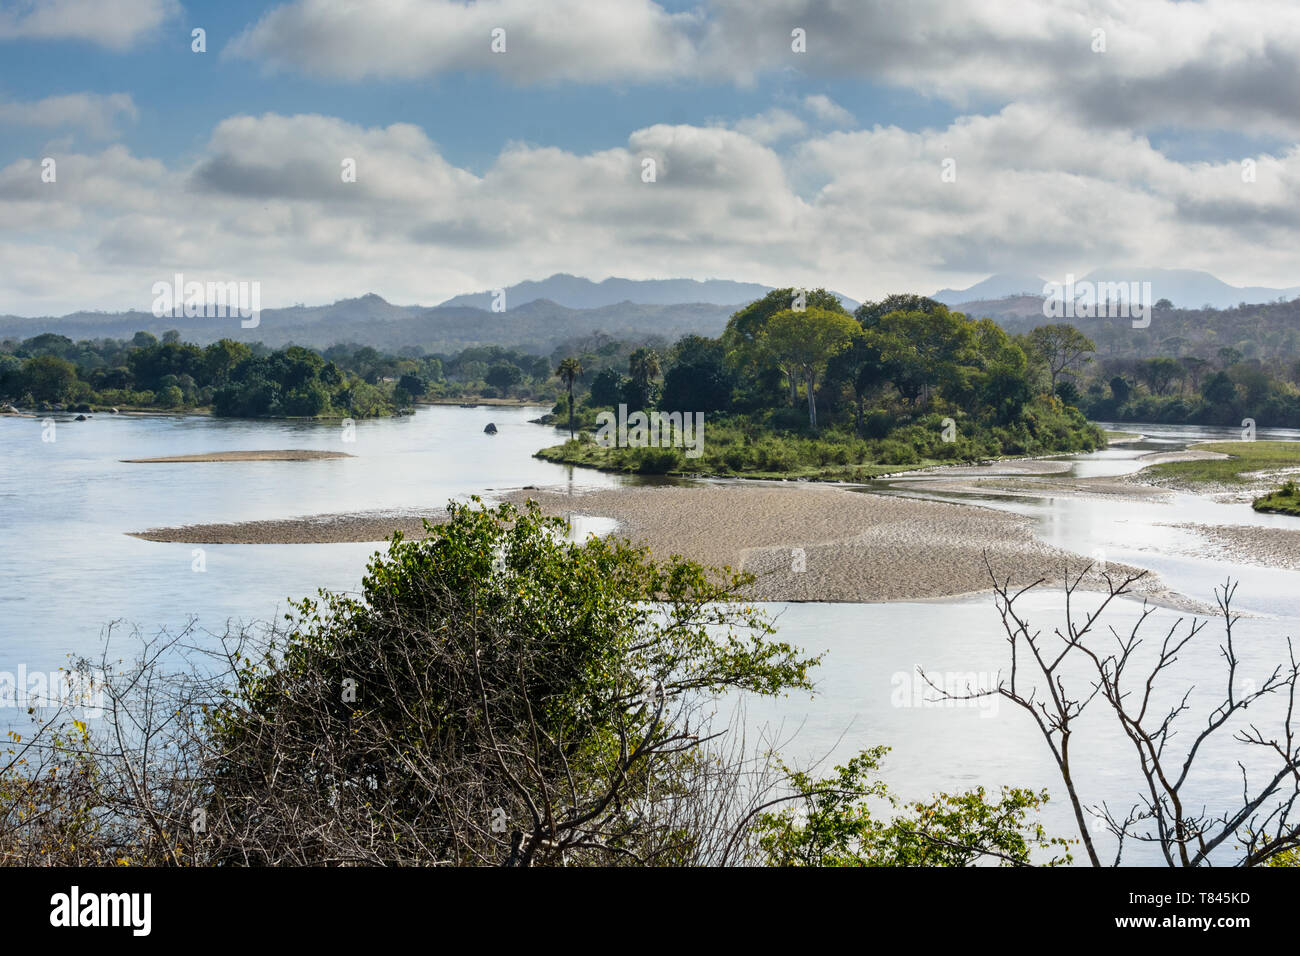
column 1264, row 547
column 803, row 542
column 287, row 454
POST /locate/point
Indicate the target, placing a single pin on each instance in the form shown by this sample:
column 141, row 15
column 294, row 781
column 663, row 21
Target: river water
column 69, row 570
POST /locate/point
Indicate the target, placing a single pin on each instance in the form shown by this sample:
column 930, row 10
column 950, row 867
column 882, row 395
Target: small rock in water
column 491, row 429
column 81, row 418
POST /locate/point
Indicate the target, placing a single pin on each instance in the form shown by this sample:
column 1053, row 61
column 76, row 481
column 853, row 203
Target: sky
column 868, row 147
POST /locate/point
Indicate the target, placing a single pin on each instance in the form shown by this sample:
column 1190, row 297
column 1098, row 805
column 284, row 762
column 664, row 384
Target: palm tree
column 569, row 371
column 643, row 368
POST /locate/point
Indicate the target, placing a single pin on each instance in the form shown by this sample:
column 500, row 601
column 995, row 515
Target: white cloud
column 265, row 201
column 770, row 126
column 828, row 111
column 560, row 40
column 115, row 24
column 1228, row 63
column 95, row 114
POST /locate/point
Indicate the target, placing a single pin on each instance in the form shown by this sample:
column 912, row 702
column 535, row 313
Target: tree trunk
column 812, row 403
column 570, row 413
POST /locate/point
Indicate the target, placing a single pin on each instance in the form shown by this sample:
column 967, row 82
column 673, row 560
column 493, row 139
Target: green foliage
column 485, row 681
column 47, row 378
column 1286, row 500
column 1244, row 456
column 734, row 445
column 832, row 824
column 251, row 380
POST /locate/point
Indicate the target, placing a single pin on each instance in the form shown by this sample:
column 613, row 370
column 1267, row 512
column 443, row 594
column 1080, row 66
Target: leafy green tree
column 1063, row 348
column 742, row 340
column 500, row 673
column 1228, row 357
column 504, row 376
column 606, row 388
column 697, row 379
column 926, row 350
column 643, row 368
column 860, row 365
column 831, row 824
column 1159, row 374
column 414, row 384
column 806, row 341
column 869, row 314
column 220, row 359
column 48, row 378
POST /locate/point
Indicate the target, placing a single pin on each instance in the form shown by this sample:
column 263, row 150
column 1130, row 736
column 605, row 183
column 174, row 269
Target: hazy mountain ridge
column 539, row 315
column 539, row 325
column 575, row 292
column 1185, row 288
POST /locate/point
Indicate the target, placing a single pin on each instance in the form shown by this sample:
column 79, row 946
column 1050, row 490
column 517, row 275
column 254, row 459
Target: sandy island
column 1262, row 546
column 852, row 546
column 287, row 454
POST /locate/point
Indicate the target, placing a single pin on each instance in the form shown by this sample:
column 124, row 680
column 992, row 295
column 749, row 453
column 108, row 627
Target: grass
column 1285, row 501
column 1246, row 456
column 743, row 448
column 591, row 455
column 1112, row 437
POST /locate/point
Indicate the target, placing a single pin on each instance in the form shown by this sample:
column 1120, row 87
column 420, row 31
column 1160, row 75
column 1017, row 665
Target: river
column 70, row 570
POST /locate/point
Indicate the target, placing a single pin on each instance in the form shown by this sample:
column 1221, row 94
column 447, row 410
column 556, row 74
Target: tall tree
column 643, row 369
column 861, row 365
column 743, row 337
column 806, row 340
column 1063, row 347
column 569, row 371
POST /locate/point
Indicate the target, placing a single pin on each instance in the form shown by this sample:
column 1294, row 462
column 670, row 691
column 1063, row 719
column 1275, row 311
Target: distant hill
column 539, row 325
column 1185, row 288
column 575, row 292
column 994, row 287
column 539, row 316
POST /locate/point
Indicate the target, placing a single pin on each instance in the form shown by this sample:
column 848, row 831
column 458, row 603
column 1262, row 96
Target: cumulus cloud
column 863, row 211
column 771, row 126
column 827, row 110
column 114, row 24
column 95, row 114
column 560, row 40
column 1145, row 63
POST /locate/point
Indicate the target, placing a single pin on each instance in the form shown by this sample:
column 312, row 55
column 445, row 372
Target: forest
column 798, row 386
column 52, row 372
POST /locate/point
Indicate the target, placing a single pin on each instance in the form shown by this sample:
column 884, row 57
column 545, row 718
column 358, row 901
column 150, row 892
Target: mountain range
column 540, row 315
column 1185, row 288
column 575, row 292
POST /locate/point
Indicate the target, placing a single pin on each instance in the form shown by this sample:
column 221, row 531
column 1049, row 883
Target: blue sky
column 815, row 167
column 181, row 96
